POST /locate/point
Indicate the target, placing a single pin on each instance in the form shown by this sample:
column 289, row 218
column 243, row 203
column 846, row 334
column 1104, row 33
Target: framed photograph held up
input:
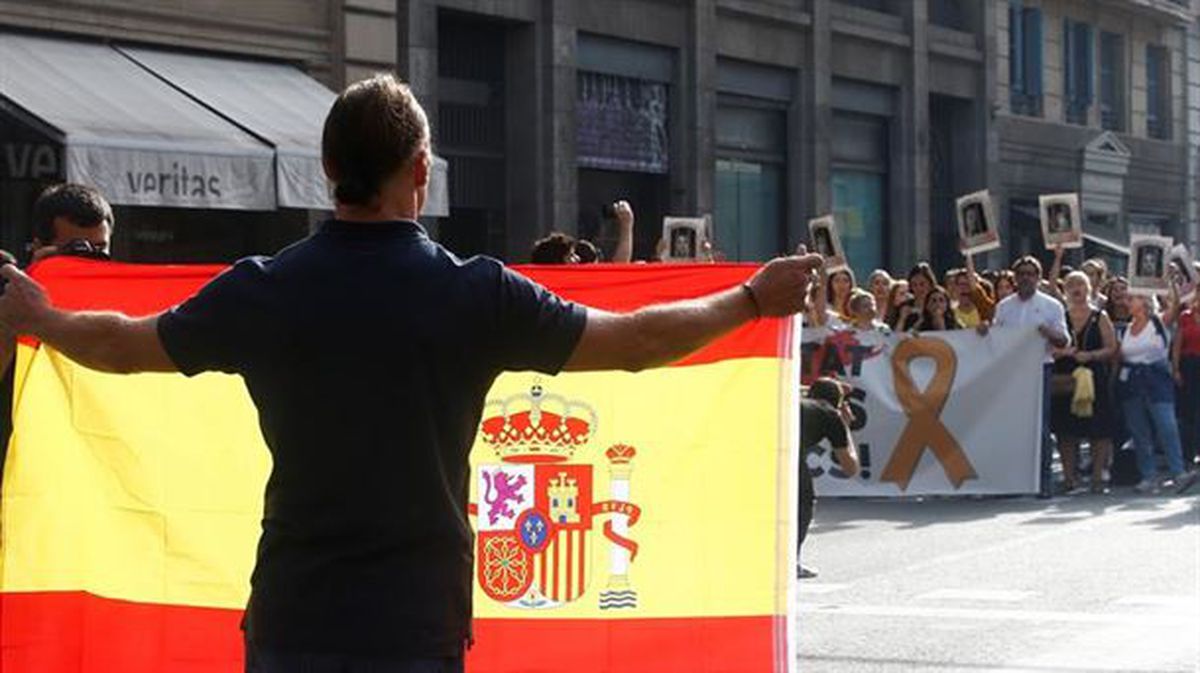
column 824, row 239
column 978, row 228
column 1148, row 264
column 1181, row 273
column 1061, row 223
column 685, row 237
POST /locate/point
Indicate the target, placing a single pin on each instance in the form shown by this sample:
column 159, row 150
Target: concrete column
column 561, row 173
column 817, row 94
column 416, row 62
column 910, row 232
column 698, row 156
column 985, row 113
column 526, row 140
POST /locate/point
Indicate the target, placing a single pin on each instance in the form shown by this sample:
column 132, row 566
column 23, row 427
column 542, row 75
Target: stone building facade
column 762, row 113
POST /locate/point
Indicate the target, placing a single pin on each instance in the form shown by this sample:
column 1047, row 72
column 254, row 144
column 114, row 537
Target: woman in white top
column 1148, row 392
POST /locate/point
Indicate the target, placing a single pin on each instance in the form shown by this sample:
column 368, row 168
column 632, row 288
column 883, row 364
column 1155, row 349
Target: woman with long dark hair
column 921, row 281
column 937, row 315
column 838, row 287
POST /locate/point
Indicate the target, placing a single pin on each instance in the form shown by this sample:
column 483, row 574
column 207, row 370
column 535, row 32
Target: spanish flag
column 625, row 522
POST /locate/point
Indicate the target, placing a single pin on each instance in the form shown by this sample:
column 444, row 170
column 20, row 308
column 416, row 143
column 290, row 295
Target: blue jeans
column 265, row 660
column 1046, row 453
column 1149, row 406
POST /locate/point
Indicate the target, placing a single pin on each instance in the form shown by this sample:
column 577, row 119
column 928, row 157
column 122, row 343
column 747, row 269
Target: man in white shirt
column 1030, row 307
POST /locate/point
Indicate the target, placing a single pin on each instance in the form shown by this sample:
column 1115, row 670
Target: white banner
column 941, row 413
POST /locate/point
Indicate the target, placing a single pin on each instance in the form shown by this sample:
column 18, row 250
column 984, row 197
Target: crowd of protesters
column 1119, row 367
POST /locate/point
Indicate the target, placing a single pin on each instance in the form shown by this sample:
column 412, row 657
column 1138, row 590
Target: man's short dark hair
column 1028, row 260
column 81, row 205
column 374, row 128
column 826, row 390
column 586, row 251
column 553, row 249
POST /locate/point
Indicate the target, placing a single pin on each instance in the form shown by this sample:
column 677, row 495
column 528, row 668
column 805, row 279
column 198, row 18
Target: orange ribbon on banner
column 925, row 428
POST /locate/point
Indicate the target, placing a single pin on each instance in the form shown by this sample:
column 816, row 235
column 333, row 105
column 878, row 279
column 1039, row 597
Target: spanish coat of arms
column 537, row 509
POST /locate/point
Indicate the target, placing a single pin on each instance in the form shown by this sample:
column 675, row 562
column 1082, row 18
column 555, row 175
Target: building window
column 883, row 6
column 621, row 123
column 1077, row 70
column 1158, row 93
column 751, row 202
column 859, row 183
column 948, row 13
column 1025, row 59
column 1112, row 81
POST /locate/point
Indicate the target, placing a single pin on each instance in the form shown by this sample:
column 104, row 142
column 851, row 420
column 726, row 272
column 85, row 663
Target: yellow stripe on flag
column 144, row 488
column 148, row 488
column 707, row 478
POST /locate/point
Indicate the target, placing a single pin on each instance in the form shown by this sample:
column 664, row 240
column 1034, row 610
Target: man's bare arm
column 658, row 335
column 105, row 341
column 624, row 252
column 847, row 457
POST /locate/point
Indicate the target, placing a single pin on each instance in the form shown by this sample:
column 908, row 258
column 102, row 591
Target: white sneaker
column 1144, row 486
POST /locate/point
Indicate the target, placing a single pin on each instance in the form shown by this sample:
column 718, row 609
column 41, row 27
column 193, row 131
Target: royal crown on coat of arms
column 537, row 509
column 537, row 427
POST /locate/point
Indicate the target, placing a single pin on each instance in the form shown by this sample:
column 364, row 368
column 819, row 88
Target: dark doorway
column 647, row 193
column 470, row 131
column 954, row 170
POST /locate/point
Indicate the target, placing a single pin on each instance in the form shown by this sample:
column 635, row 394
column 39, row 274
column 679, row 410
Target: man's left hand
column 23, row 302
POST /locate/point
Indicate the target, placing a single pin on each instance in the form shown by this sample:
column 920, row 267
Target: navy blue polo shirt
column 368, row 350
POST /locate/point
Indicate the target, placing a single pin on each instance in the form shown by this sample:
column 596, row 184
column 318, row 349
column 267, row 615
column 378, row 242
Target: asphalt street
column 1087, row 583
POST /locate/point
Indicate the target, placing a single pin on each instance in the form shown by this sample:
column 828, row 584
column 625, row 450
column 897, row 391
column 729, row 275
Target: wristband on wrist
column 753, row 299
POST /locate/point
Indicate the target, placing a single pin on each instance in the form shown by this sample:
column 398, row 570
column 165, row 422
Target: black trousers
column 266, row 660
column 808, row 498
column 1187, row 408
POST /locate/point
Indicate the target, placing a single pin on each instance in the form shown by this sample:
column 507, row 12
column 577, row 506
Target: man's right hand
column 781, row 287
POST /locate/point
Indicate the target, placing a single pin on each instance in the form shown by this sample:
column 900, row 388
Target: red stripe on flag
column 75, row 632
column 542, row 570
column 676, row 645
column 144, row 289
column 569, row 593
column 583, row 554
